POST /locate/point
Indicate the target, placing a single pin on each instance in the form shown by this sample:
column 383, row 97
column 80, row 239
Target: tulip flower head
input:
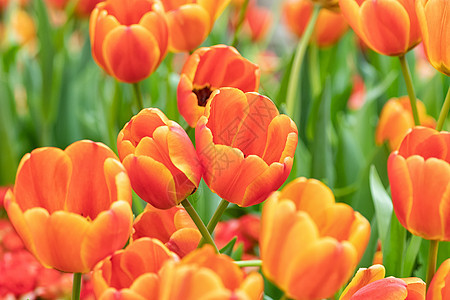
column 245, row 146
column 330, row 26
column 72, row 208
column 160, row 159
column 439, row 288
column 190, row 21
column 389, row 27
column 309, row 244
column 174, row 227
column 434, row 20
column 396, row 119
column 419, row 174
column 128, row 38
column 370, row 284
column 209, row 69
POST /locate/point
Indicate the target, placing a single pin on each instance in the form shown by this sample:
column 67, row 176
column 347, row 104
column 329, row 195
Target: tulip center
column 202, row 95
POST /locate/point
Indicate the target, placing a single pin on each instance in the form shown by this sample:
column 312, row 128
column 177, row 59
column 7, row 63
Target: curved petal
column 131, row 53
column 184, row 241
column 187, row 102
column 155, row 223
column 146, row 285
column 363, row 277
column 156, row 23
column 281, row 141
column 439, row 287
column 189, row 25
column 104, row 24
column 423, row 141
column 386, row 288
column 40, row 171
column 107, row 233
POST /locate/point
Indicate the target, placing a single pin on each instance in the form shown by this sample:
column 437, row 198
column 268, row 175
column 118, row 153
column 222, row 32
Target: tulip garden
column 224, row 149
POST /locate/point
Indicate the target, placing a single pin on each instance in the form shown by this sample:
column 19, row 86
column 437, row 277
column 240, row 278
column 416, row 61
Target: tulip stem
column 76, row 286
column 444, row 112
column 199, row 223
column 297, row 63
column 239, row 23
column 410, row 88
column 432, row 258
column 138, row 95
column 249, row 263
column 215, row 218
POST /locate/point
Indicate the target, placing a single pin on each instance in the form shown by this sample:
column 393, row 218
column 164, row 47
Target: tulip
column 245, row 229
column 160, row 159
column 245, row 146
column 258, row 20
column 128, row 38
column 434, row 20
column 439, row 288
column 310, row 245
column 419, row 174
column 71, row 208
column 370, row 284
column 172, row 226
column 190, row 22
column 203, row 274
column 207, row 70
column 329, row 28
column 396, row 119
column 389, row 27
column 132, row 273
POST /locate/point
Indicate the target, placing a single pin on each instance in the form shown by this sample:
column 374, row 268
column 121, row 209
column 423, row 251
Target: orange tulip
column 419, row 174
column 203, row 274
column 389, row 27
column 439, row 288
column 160, row 159
column 434, row 20
column 208, row 69
column 128, row 38
column 72, row 208
column 132, row 273
column 174, row 227
column 245, row 146
column 190, row 21
column 330, row 26
column 370, row 284
column 257, row 20
column 310, row 245
column 396, row 119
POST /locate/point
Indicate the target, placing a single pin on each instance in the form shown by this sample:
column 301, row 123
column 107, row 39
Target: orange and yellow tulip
column 396, row 119
column 72, row 208
column 128, row 38
column 174, row 227
column 419, row 174
column 190, row 21
column 208, row 69
column 330, row 26
column 370, row 284
column 389, row 27
column 439, row 288
column 434, row 20
column 132, row 273
column 245, row 146
column 203, row 274
column 309, row 244
column 160, row 159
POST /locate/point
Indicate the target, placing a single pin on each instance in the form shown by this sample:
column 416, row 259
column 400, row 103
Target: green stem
column 138, row 96
column 76, row 286
column 199, row 223
column 432, row 258
column 297, row 64
column 444, row 112
column 249, row 263
column 240, row 22
column 410, row 88
column 215, row 218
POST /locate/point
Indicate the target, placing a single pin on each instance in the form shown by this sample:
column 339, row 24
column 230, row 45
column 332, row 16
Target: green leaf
column 411, row 254
column 228, row 248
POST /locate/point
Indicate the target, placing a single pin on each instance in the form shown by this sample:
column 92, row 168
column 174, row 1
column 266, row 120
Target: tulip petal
column 124, row 294
column 144, row 124
column 58, row 238
column 416, row 288
column 387, row 288
column 104, row 24
column 156, row 24
column 131, row 53
column 280, row 142
column 42, row 170
column 386, row 25
column 88, row 178
column 184, row 241
column 189, row 25
column 425, row 142
column 363, row 277
column 146, row 285
column 107, row 233
column 155, row 223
